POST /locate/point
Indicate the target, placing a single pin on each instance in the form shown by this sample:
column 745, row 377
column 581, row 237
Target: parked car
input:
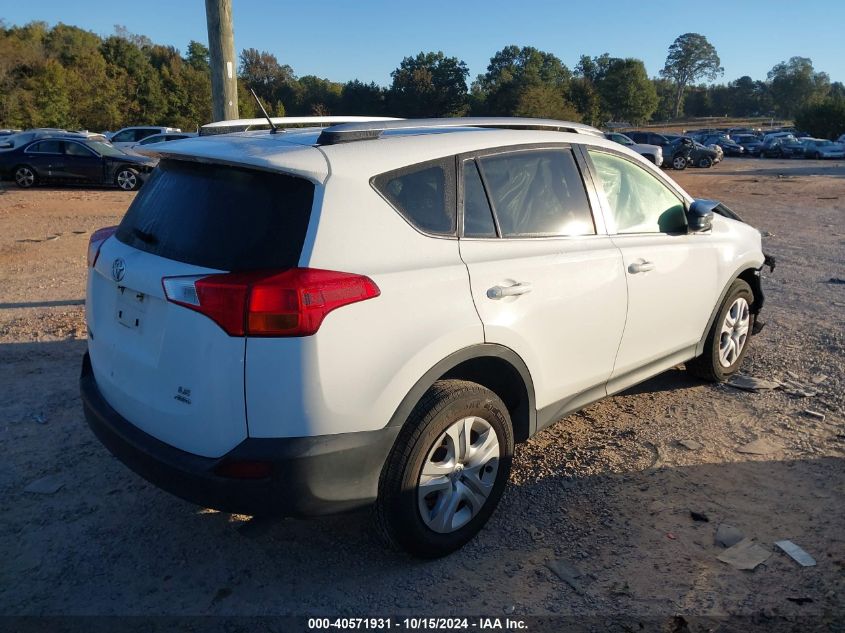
column 729, row 146
column 162, row 138
column 22, row 138
column 128, row 136
column 654, row 153
column 770, row 136
column 822, row 148
column 230, row 363
column 8, row 132
column 781, row 147
column 741, row 131
column 750, row 143
column 706, row 157
column 93, row 136
column 685, row 151
column 74, row 161
column 720, row 153
column 648, row 138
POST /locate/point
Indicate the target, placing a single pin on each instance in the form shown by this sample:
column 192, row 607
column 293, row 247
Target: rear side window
column 142, row 134
column 46, row 147
column 424, row 194
column 478, row 217
column 538, row 193
column 221, row 217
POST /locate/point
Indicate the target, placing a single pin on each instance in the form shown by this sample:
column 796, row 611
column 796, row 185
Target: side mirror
column 700, row 215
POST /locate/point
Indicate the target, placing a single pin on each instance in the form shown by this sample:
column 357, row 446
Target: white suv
column 307, row 322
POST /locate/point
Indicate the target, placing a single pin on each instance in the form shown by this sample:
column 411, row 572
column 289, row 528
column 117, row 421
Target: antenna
column 273, row 129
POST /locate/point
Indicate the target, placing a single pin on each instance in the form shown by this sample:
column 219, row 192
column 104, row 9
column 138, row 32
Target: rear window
column 221, row 217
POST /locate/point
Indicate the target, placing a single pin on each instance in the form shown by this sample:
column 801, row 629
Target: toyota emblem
column 118, row 269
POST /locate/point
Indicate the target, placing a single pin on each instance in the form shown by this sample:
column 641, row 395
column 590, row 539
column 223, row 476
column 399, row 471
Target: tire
column 705, row 162
column 127, row 179
column 406, row 516
column 25, row 176
column 679, row 163
column 733, row 325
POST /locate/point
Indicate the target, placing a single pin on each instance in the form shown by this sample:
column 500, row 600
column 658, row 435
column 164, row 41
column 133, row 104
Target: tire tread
column 438, row 397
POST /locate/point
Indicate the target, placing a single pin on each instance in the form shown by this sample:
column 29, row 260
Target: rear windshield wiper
column 147, row 238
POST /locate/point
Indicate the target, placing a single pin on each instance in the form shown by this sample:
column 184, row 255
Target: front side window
column 46, row 147
column 424, row 194
column 537, row 193
column 638, row 201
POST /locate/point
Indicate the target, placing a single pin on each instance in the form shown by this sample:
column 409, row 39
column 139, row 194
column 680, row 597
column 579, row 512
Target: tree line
column 68, row 77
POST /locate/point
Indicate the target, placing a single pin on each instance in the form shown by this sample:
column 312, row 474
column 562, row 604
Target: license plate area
column 130, row 308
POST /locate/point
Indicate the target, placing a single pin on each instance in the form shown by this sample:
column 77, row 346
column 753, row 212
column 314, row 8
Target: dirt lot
column 608, row 490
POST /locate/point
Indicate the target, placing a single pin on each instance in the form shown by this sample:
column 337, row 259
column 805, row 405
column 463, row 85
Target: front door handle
column 641, row 266
column 500, row 292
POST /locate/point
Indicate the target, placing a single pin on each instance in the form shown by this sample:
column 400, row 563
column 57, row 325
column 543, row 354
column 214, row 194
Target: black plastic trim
column 482, row 350
column 759, row 300
column 310, row 475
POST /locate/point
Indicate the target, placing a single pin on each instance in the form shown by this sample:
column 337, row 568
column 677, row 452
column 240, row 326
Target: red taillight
column 96, row 241
column 292, row 302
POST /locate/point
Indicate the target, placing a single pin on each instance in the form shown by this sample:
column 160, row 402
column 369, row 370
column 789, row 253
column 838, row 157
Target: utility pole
column 221, row 48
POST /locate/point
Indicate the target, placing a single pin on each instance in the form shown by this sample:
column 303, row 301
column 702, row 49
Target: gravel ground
column 608, row 491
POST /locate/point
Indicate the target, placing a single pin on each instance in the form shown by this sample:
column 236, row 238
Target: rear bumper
column 310, row 476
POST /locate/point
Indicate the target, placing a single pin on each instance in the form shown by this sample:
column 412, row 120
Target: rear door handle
column 641, row 266
column 500, row 292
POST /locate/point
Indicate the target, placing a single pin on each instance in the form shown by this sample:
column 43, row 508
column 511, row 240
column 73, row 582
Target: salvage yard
column 614, row 510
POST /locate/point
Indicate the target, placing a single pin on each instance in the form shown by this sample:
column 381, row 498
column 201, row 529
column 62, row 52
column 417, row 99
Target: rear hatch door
column 168, row 369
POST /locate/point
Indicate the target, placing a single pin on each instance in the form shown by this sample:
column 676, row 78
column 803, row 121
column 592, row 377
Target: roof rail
column 345, row 133
column 241, row 125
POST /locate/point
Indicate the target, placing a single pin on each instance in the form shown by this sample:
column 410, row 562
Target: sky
column 367, row 39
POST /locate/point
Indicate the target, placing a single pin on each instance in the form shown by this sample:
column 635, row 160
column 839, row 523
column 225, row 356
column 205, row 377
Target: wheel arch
column 23, row 164
column 495, row 367
column 121, row 166
column 750, row 274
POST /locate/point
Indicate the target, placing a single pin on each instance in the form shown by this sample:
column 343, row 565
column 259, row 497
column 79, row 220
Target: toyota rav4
column 311, row 321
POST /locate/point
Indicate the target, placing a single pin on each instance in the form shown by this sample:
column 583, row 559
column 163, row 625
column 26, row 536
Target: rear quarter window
column 424, row 194
column 222, row 217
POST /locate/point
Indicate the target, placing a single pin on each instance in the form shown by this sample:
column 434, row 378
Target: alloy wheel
column 25, row 177
column 458, row 474
column 126, row 180
column 734, row 332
